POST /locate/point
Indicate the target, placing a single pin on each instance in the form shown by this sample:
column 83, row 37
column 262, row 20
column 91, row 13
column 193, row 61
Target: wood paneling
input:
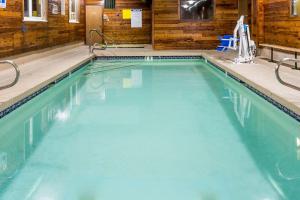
column 257, row 27
column 17, row 36
column 120, row 30
column 272, row 24
column 94, row 2
column 172, row 33
column 279, row 27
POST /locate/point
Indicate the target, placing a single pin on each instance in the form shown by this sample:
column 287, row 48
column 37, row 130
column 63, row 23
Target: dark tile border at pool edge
column 146, row 57
column 267, row 98
column 259, row 93
column 13, row 107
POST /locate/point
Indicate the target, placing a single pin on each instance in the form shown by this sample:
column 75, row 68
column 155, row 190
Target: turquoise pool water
column 160, row 130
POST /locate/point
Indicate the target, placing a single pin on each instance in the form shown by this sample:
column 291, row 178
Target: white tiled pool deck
column 41, row 68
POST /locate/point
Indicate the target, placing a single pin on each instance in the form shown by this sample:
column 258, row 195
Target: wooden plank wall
column 17, row 36
column 94, row 2
column 172, row 33
column 120, row 30
column 257, row 26
column 272, row 24
column 279, row 27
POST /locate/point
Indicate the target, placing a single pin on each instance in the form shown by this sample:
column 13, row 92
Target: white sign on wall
column 136, row 18
column 2, row 3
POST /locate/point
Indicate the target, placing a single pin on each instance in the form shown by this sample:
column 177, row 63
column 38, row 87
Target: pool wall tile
column 146, row 57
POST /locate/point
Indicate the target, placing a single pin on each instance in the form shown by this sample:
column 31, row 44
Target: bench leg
column 296, row 64
column 272, row 55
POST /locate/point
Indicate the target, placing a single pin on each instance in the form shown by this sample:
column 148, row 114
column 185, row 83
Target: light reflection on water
column 162, row 130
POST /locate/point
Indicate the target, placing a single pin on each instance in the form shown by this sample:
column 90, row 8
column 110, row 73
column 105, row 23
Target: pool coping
column 285, row 107
column 275, row 103
column 278, row 101
column 23, row 98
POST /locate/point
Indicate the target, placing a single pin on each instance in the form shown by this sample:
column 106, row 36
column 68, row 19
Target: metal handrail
column 17, row 73
column 94, row 46
column 278, row 75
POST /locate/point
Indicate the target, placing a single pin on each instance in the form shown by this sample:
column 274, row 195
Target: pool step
column 92, row 71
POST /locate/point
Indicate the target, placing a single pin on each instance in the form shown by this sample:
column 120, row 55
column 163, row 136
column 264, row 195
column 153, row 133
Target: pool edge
column 278, row 102
column 20, row 100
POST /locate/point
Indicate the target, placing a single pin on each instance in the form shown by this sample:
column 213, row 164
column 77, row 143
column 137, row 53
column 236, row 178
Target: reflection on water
column 155, row 131
column 3, row 161
column 241, row 105
column 23, row 130
column 273, row 144
column 135, row 81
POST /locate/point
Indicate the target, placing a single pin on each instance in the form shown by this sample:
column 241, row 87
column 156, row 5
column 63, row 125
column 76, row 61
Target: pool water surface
column 149, row 130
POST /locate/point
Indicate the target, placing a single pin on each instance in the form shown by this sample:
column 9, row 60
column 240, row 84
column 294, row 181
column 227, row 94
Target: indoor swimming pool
column 169, row 129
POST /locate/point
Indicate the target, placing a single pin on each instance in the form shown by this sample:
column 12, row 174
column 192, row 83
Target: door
column 94, row 20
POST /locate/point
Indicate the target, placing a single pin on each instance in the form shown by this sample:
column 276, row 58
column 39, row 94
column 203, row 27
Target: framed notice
column 54, row 7
column 2, row 3
column 136, row 18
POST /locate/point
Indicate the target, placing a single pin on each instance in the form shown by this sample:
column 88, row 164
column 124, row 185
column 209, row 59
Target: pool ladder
column 16, row 68
column 94, row 46
column 278, row 75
